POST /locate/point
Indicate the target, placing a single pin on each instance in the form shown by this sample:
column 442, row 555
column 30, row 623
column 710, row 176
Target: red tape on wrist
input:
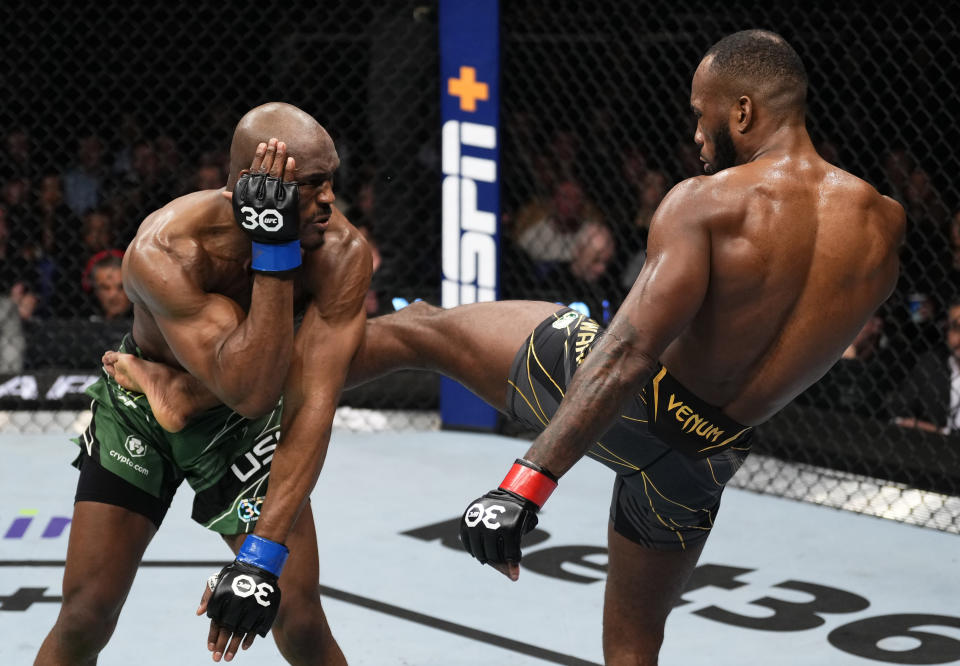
column 529, row 484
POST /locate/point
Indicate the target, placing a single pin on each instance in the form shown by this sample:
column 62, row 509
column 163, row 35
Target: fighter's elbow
column 256, row 403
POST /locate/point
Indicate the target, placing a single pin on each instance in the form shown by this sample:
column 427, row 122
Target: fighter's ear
column 742, row 113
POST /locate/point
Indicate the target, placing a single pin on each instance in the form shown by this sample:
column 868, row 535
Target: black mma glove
column 268, row 209
column 246, row 595
column 492, row 525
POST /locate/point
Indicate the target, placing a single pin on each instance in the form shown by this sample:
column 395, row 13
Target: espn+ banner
column 470, row 69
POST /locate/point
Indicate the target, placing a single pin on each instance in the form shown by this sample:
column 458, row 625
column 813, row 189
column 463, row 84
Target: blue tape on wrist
column 274, row 258
column 263, row 553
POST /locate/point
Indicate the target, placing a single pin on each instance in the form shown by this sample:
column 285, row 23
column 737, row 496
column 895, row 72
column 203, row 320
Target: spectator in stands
column 15, row 195
column 207, row 176
column 106, row 282
column 587, row 278
column 97, row 231
column 929, row 399
column 925, row 255
column 12, row 341
column 25, row 268
column 651, row 189
column 85, row 180
column 55, row 222
column 520, row 138
column 898, row 164
column 914, row 327
column 861, row 379
column 952, row 283
column 96, row 235
column 139, row 192
column 169, row 161
column 128, row 134
column 546, row 230
column 13, row 284
column 16, row 160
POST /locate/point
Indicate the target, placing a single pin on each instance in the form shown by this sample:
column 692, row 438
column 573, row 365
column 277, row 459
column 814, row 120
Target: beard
column 725, row 154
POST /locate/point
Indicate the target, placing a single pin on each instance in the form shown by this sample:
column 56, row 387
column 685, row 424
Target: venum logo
column 135, row 447
column 469, row 233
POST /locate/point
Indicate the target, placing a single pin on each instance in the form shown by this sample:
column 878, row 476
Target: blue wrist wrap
column 275, row 258
column 263, row 553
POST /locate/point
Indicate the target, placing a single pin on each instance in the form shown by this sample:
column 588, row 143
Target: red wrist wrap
column 529, row 484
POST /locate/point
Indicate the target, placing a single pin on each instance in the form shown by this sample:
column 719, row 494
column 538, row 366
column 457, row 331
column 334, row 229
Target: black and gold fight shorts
column 673, row 453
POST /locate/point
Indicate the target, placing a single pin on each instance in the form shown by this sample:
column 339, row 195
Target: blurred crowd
column 575, row 216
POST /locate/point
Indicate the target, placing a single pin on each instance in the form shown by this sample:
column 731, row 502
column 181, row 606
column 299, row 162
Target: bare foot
column 158, row 382
column 117, row 366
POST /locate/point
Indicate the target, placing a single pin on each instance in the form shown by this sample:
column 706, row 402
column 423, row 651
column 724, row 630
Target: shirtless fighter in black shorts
column 758, row 276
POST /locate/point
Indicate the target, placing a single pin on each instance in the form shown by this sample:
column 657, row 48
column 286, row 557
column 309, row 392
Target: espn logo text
column 469, row 231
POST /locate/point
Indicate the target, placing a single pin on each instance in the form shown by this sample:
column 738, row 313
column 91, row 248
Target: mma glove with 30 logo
column 268, row 210
column 245, row 593
column 492, row 526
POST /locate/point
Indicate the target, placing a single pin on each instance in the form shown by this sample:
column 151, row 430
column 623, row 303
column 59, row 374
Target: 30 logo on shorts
column 135, row 447
column 248, row 509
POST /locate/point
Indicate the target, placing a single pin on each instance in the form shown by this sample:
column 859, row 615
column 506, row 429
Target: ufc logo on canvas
column 269, row 219
column 477, row 513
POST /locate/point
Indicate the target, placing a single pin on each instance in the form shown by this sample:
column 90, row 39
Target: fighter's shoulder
column 171, row 235
column 179, row 220
column 701, row 200
column 859, row 192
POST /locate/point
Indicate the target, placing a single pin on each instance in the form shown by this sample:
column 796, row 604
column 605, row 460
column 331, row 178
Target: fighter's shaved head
column 307, row 142
column 759, row 63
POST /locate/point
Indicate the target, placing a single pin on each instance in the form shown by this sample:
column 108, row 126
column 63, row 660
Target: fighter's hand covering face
column 266, row 204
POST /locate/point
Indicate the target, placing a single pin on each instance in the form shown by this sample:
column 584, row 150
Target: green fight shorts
column 126, row 459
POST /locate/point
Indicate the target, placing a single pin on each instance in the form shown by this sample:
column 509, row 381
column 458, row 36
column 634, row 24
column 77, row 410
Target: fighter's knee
column 84, row 627
column 421, row 309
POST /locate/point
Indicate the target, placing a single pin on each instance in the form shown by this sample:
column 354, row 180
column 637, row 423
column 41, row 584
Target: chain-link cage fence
column 597, row 128
column 113, row 108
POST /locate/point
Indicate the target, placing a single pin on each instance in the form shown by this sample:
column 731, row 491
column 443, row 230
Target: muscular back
column 801, row 254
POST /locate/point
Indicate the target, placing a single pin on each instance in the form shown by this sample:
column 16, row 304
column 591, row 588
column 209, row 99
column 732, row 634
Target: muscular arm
column 240, row 357
column 667, row 294
column 327, row 340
